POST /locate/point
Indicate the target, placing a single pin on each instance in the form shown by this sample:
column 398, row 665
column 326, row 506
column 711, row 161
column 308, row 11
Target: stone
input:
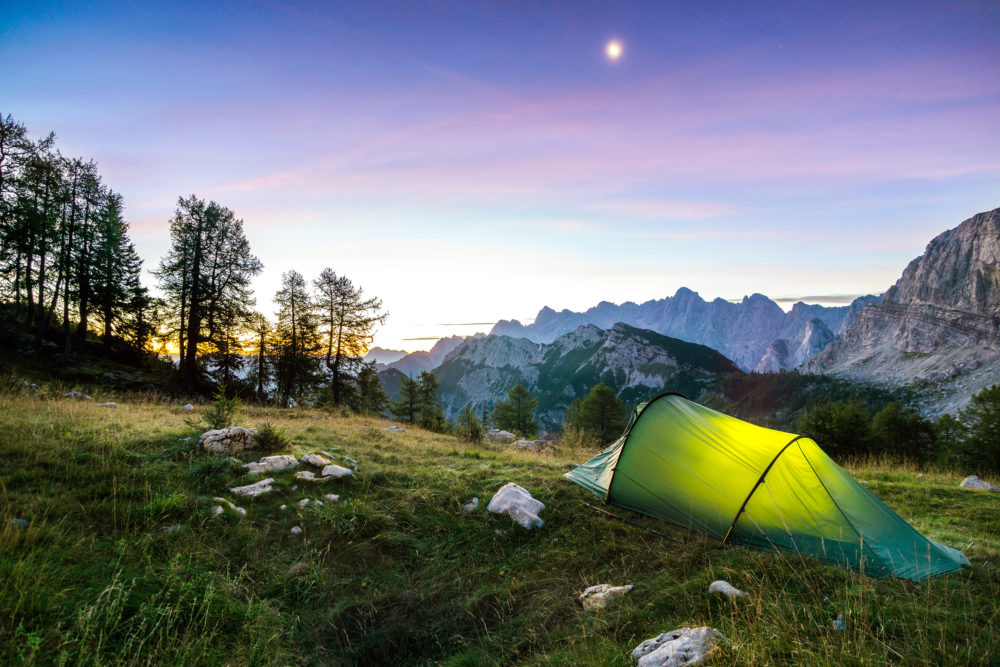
column 921, row 476
column 255, row 489
column 283, row 508
column 317, row 460
column 271, row 464
column 304, row 502
column 499, row 436
column 226, row 504
column 471, row 505
column 724, row 588
column 231, row 440
column 677, row 648
column 517, row 503
column 533, row 445
column 976, row 484
column 187, row 408
column 332, row 497
column 838, row 623
column 394, row 429
column 336, row 472
column 30, row 386
column 107, row 405
column 596, row 598
column 296, row 530
column 76, row 394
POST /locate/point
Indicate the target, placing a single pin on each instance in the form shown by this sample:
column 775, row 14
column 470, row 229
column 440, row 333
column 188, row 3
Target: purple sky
column 468, row 162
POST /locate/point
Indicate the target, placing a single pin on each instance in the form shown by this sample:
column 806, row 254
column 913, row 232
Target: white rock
column 518, row 504
column 724, row 588
column 332, row 497
column 473, row 504
column 255, row 489
column 304, row 502
column 533, row 445
column 921, row 476
column 496, row 435
column 187, row 408
column 976, row 484
column 216, row 510
column 598, row 597
column 76, row 394
column 317, row 460
column 394, row 429
column 296, row 530
column 336, row 472
column 232, row 440
column 318, row 502
column 271, row 464
column 283, row 508
column 107, row 405
column 677, row 648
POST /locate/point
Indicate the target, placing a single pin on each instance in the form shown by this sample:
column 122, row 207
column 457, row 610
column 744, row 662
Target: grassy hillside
column 108, row 556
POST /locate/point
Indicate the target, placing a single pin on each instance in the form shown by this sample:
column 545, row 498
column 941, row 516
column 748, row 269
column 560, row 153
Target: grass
column 121, row 563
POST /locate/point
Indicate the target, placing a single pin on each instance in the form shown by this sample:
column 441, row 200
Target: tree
column 599, row 413
column 981, row 419
column 346, row 322
column 841, row 428
column 407, row 408
column 263, row 347
column 206, row 276
column 468, row 427
column 297, row 339
column 515, row 414
column 902, row 432
column 371, row 397
column 431, row 414
column 949, row 439
column 116, row 268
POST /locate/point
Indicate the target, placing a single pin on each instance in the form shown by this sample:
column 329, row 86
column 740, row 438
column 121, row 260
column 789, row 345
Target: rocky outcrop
column 416, row 362
column 783, row 355
column 937, row 330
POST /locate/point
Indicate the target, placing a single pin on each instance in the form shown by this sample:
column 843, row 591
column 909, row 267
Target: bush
column 271, row 437
column 468, row 427
column 223, row 410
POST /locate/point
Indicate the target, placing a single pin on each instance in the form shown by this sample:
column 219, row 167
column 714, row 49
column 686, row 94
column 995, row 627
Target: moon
column 613, row 50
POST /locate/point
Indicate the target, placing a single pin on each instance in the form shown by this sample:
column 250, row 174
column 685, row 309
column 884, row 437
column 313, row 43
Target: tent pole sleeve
column 725, row 540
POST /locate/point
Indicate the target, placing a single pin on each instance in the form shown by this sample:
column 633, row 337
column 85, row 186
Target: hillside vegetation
column 108, row 555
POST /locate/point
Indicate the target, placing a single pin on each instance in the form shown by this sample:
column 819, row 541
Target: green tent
column 744, row 484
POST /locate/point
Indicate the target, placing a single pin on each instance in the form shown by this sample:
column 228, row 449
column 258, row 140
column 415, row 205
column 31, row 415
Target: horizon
column 473, row 163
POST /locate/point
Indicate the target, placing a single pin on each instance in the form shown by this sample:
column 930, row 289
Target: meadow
column 109, row 555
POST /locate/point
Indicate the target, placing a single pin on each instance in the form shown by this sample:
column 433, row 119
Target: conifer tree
column 297, row 339
column 515, row 414
column 599, row 413
column 407, row 408
column 431, row 414
column 371, row 397
column 468, row 427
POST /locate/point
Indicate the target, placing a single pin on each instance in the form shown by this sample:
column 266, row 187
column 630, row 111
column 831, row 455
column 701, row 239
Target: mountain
column 383, row 356
column 937, row 330
column 636, row 363
column 784, row 353
column 416, row 362
column 742, row 331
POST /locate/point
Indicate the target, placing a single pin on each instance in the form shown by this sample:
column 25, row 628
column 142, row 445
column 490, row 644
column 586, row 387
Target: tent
column 744, row 484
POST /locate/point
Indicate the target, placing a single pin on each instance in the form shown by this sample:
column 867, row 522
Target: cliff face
column 938, row 328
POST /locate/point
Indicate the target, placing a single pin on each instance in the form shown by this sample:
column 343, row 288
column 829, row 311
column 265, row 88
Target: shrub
column 271, row 437
column 223, row 410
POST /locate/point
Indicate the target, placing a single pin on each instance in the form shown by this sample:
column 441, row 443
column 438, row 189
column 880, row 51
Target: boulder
column 255, row 489
column 296, row 530
column 317, row 460
column 30, row 386
column 502, row 437
column 232, row 440
column 976, row 484
column 271, row 464
column 107, row 405
column 518, row 504
column 76, row 394
column 533, row 445
column 596, row 598
column 724, row 588
column 187, row 408
column 394, row 429
column 307, row 476
column 332, row 497
column 336, row 472
column 677, row 648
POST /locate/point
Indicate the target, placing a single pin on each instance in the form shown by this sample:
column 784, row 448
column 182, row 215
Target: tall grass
column 120, row 562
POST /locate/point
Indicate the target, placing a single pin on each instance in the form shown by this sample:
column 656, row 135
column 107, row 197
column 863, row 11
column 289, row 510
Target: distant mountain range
column 937, row 330
column 755, row 333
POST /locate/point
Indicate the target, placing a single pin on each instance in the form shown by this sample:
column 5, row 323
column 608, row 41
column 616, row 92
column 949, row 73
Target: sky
column 467, row 162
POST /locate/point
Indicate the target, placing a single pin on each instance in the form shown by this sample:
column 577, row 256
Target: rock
column 30, row 386
column 216, row 510
column 304, row 502
column 838, row 623
column 921, row 476
column 336, row 472
column 502, row 437
column 533, row 445
column 471, row 505
column 187, row 408
column 107, row 405
column 518, row 504
column 271, row 464
column 976, row 484
column 317, row 460
column 677, row 648
column 19, row 522
column 296, row 530
column 226, row 504
column 394, row 429
column 596, row 598
column 332, row 497
column 232, row 440
column 255, row 489
column 724, row 588
column 283, row 508
column 76, row 394
column 172, row 529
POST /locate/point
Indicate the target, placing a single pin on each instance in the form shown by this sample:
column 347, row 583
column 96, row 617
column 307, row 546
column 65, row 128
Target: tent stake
column 632, row 523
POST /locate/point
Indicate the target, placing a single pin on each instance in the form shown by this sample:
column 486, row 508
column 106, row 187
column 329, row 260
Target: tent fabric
column 697, row 468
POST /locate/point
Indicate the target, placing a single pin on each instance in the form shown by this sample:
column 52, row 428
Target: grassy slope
column 398, row 572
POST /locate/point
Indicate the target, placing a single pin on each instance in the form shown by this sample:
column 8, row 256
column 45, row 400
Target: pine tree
column 297, row 339
column 407, row 408
column 515, row 414
column 981, row 419
column 371, row 397
column 599, row 413
column 431, row 414
column 468, row 427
